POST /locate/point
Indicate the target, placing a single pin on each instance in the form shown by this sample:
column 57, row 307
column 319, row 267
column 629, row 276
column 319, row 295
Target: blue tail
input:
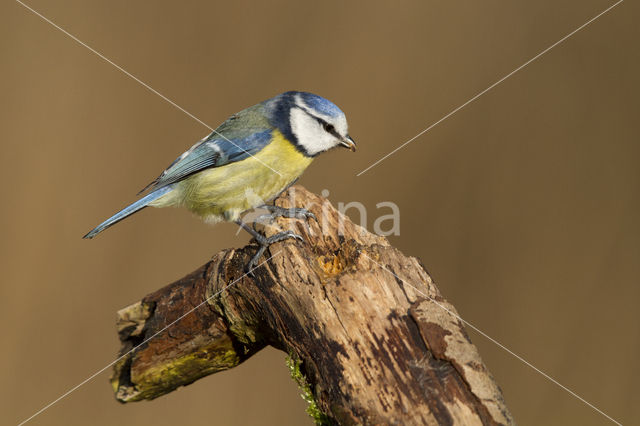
column 129, row 210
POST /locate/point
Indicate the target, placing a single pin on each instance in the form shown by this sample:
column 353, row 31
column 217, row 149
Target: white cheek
column 341, row 124
column 309, row 132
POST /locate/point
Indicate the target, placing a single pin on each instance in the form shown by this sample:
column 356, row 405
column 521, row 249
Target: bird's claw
column 306, row 215
column 282, row 236
column 276, row 212
column 300, row 213
column 290, row 213
column 265, row 242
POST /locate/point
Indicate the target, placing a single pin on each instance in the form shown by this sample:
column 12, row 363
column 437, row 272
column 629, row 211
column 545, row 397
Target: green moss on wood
column 163, row 377
column 293, row 363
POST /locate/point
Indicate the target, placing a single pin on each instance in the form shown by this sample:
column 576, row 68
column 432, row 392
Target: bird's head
column 314, row 123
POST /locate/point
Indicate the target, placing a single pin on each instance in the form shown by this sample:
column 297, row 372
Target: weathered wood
column 376, row 341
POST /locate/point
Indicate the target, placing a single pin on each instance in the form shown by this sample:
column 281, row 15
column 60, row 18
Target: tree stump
column 371, row 339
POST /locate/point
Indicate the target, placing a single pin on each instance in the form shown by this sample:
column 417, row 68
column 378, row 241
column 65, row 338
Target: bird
column 246, row 162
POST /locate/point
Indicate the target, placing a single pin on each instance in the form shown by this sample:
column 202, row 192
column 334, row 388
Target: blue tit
column 249, row 160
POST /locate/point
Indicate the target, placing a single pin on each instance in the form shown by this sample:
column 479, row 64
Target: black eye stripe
column 328, row 127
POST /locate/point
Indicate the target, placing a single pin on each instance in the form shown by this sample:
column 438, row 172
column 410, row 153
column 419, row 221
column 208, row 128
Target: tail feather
column 129, row 210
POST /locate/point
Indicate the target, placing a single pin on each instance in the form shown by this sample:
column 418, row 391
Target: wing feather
column 212, row 151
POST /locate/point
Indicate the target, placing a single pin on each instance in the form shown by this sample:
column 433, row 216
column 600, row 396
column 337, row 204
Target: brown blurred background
column 523, row 206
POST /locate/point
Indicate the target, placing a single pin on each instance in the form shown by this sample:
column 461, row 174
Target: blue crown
column 321, row 104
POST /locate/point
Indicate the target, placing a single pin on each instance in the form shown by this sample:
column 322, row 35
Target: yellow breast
column 225, row 192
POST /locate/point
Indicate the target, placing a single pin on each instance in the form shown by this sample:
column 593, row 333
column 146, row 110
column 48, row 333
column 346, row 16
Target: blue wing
column 213, row 151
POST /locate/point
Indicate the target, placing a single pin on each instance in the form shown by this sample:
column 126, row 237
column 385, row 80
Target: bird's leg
column 277, row 211
column 264, row 242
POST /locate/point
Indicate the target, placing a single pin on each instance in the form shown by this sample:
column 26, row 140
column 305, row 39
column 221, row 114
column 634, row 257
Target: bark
column 371, row 338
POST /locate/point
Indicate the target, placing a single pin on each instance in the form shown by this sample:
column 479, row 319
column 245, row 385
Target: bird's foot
column 292, row 213
column 264, row 243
